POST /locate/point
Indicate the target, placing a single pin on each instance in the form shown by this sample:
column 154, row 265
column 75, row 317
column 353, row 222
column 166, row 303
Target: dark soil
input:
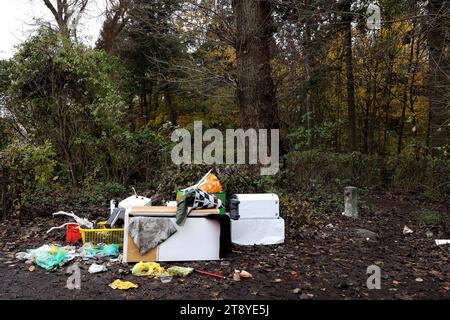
column 321, row 263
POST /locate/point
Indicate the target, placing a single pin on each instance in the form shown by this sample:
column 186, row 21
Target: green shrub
column 313, row 170
column 25, row 168
column 433, row 218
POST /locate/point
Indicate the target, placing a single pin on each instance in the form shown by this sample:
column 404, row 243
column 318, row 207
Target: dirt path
column 323, row 263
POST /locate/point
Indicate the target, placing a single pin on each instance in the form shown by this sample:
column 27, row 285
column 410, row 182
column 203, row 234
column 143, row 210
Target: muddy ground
column 321, row 263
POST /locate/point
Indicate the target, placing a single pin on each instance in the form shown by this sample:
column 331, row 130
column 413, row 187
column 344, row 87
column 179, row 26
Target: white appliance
column 257, row 206
column 256, row 219
column 197, row 240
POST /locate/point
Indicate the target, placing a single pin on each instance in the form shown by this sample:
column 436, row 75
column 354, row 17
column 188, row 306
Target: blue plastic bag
column 101, row 251
column 48, row 257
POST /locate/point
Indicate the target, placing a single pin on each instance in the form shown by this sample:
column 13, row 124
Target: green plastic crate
column 220, row 195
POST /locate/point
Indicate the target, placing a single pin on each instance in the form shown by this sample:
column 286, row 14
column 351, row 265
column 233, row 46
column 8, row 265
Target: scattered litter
column 32, row 268
column 407, row 230
column 96, row 268
column 429, row 234
column 122, row 271
column 100, row 251
column 296, row 291
column 225, row 263
column 48, row 257
column 135, row 201
column 73, row 233
column 306, row 296
column 419, row 280
column 442, row 242
column 180, row 271
column 246, row 275
column 152, row 269
column 21, row 256
column 330, row 226
column 278, row 280
column 116, row 260
column 80, row 221
column 165, row 279
column 209, row 183
column 237, row 275
column 210, row 274
column 122, row 285
column 195, row 199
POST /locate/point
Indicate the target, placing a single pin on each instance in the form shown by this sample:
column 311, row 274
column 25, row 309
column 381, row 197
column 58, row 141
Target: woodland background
column 81, row 125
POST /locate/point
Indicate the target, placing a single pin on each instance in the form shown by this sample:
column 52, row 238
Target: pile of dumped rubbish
column 137, row 230
column 49, row 257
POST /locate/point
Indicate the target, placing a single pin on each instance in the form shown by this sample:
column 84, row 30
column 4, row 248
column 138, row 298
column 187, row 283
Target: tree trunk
column 439, row 78
column 406, row 88
column 115, row 22
column 144, row 103
column 348, row 56
column 170, row 108
column 255, row 88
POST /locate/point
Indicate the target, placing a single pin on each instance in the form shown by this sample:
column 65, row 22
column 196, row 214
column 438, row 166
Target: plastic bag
column 210, row 184
column 96, row 268
column 148, row 269
column 122, row 285
column 100, row 251
column 180, row 271
column 48, row 257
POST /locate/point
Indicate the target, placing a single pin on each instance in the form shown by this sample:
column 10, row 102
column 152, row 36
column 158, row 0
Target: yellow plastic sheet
column 122, row 285
column 148, row 269
column 180, row 271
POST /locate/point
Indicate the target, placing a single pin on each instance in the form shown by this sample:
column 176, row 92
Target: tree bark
column 255, row 87
column 170, row 107
column 348, row 56
column 116, row 20
column 406, row 89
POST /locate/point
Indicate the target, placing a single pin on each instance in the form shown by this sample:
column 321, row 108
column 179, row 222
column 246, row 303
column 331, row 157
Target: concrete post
column 351, row 202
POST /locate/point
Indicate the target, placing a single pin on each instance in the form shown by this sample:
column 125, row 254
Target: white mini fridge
column 255, row 219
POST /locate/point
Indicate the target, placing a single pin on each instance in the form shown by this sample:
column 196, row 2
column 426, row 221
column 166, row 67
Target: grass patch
column 432, row 217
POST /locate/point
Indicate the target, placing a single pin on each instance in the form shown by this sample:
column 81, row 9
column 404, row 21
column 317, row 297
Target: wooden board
column 168, row 211
column 133, row 254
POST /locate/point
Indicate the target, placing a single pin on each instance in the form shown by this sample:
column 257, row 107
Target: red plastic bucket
column 72, row 233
